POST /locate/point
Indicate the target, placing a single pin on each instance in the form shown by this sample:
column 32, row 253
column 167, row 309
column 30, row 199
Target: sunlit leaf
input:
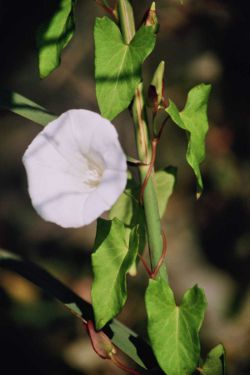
column 24, row 107
column 111, row 261
column 54, row 35
column 173, row 330
column 118, row 65
column 165, row 181
column 193, row 119
column 215, row 362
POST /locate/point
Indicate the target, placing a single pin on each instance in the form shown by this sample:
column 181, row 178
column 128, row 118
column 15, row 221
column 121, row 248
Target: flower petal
column 76, row 168
column 106, row 194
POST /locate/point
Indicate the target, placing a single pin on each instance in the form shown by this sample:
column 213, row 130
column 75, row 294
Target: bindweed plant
column 77, row 170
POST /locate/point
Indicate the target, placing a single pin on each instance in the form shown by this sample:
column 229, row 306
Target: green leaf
column 165, row 181
column 127, row 205
column 173, row 330
column 194, row 120
column 53, row 37
column 215, row 362
column 111, row 261
column 129, row 211
column 123, row 337
column 118, row 65
column 24, row 107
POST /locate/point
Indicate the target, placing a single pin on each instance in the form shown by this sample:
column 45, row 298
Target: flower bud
column 150, row 18
column 156, row 88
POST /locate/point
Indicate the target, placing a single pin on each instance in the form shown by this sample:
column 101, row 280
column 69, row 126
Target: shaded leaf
column 54, row 35
column 173, row 330
column 215, row 362
column 127, row 206
column 24, row 107
column 194, row 120
column 118, row 65
column 128, row 210
column 111, row 261
column 123, row 337
column 165, row 181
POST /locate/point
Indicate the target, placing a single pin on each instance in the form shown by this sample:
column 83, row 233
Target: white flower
column 76, row 168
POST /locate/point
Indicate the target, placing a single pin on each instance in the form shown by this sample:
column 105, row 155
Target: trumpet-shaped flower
column 76, row 168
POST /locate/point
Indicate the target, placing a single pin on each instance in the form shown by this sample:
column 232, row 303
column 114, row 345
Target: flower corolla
column 76, row 168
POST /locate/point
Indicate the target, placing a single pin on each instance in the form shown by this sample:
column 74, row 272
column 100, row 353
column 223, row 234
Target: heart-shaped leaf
column 111, row 262
column 194, row 120
column 118, row 65
column 54, row 35
column 173, row 330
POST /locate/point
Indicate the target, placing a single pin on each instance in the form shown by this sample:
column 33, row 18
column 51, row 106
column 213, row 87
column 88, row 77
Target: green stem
column 152, row 216
column 126, row 18
column 153, row 223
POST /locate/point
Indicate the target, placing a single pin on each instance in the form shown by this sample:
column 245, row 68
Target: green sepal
column 54, row 35
column 193, row 119
column 173, row 330
column 111, row 261
column 118, row 65
column 164, row 182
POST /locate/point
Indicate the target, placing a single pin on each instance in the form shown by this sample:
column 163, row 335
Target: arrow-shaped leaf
column 123, row 337
column 173, row 330
column 111, row 262
column 118, row 65
column 54, row 35
column 194, row 120
column 24, row 107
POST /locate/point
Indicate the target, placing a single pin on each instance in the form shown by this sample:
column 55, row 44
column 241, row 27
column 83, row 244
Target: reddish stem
column 101, row 343
column 149, row 272
column 155, row 143
column 163, row 256
column 104, row 348
column 153, row 274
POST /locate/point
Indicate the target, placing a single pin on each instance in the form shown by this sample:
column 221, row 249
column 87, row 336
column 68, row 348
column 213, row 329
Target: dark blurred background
column 208, row 240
